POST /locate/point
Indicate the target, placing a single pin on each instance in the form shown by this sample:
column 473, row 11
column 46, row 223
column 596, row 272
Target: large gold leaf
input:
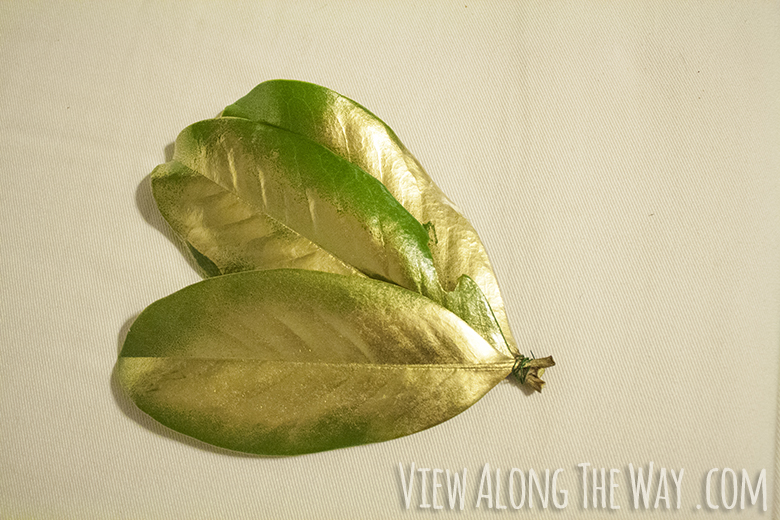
column 353, row 132
column 314, row 192
column 248, row 195
column 292, row 361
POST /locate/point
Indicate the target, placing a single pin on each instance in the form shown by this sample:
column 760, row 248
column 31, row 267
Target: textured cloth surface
column 620, row 161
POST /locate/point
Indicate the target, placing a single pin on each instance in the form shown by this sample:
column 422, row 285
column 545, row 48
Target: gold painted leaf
column 314, row 192
column 247, row 195
column 353, row 132
column 232, row 234
column 287, row 361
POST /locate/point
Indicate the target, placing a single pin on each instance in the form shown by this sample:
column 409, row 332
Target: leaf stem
column 528, row 370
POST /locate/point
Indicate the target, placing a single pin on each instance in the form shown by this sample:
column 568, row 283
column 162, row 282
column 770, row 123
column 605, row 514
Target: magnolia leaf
column 353, row 132
column 314, row 192
column 226, row 233
column 287, row 361
column 247, row 195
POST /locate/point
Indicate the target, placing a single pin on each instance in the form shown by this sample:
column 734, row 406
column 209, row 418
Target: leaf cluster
column 347, row 301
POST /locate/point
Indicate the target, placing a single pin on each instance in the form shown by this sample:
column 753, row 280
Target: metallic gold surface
column 228, row 231
column 353, row 132
column 248, row 195
column 314, row 192
column 292, row 361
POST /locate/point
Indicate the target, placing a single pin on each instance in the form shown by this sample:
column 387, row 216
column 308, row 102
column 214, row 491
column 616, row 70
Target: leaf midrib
column 498, row 365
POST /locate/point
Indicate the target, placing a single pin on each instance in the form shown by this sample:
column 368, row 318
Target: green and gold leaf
column 353, row 132
column 305, row 187
column 248, row 195
column 287, row 361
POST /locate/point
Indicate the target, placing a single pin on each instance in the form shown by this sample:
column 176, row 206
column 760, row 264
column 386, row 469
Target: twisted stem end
column 529, row 370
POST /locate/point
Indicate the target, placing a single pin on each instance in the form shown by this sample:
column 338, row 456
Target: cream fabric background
column 619, row 159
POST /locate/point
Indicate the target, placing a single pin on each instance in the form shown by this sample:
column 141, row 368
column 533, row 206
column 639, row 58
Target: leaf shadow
column 123, row 332
column 128, row 407
column 169, row 148
column 527, row 390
